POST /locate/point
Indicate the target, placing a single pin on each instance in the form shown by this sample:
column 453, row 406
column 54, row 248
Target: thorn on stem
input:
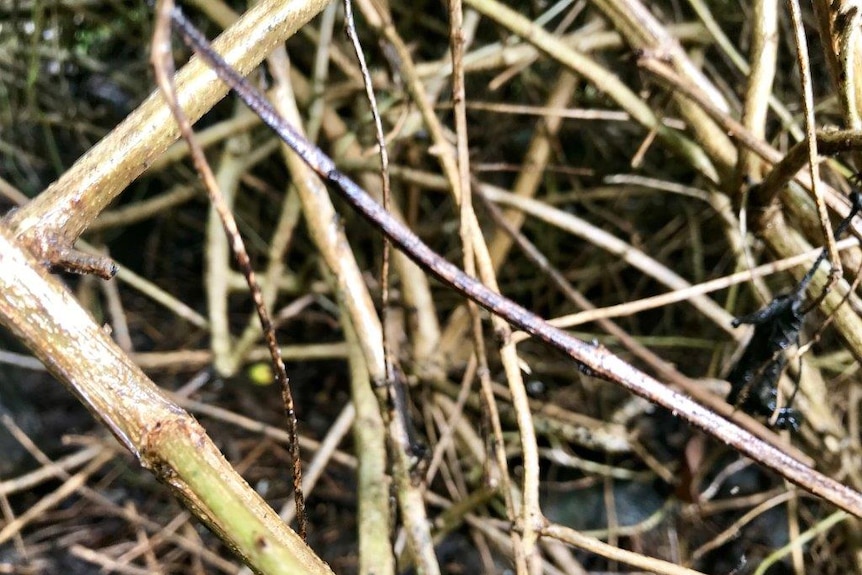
column 57, row 255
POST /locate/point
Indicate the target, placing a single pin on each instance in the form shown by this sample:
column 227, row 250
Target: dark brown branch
column 594, row 359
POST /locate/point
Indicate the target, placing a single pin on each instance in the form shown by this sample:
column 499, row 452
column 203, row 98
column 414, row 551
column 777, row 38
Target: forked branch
column 44, row 316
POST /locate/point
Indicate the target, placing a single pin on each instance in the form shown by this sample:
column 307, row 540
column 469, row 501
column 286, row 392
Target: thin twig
column 321, row 218
column 810, row 126
column 577, row 539
column 163, row 66
column 523, row 543
column 383, row 154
